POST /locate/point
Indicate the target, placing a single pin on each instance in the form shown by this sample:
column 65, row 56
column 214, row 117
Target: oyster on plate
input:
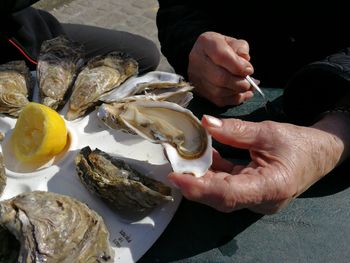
column 55, row 228
column 2, row 174
column 100, row 75
column 16, row 87
column 154, row 85
column 186, row 142
column 132, row 194
column 58, row 61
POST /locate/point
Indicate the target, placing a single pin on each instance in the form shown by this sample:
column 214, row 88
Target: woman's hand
column 218, row 66
column 285, row 161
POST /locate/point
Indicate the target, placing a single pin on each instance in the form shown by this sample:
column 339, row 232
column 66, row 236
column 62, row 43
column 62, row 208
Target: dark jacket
column 301, row 45
column 23, row 29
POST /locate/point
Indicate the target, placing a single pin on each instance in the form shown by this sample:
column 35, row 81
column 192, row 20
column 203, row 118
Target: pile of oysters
column 152, row 106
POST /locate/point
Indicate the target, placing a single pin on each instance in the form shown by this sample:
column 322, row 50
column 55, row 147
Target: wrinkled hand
column 285, row 161
column 217, row 67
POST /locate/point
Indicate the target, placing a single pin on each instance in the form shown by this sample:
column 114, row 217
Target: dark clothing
column 285, row 37
column 27, row 28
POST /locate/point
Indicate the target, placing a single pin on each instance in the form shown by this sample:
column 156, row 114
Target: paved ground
column 135, row 16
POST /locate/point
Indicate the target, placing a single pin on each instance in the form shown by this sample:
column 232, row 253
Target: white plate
column 130, row 240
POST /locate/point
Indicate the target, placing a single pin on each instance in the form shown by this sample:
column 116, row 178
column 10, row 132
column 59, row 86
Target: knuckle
column 244, row 43
column 220, row 78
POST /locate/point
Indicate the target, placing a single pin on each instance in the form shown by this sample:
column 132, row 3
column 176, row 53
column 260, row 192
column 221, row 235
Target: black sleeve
column 12, row 6
column 318, row 87
column 179, row 24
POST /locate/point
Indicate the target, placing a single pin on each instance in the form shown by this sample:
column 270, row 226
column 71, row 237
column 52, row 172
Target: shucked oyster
column 2, row 174
column 16, row 85
column 132, row 194
column 55, row 228
column 58, row 62
column 100, row 75
column 154, row 85
column 187, row 144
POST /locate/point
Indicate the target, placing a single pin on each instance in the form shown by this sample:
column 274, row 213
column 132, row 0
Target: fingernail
column 214, row 122
column 242, row 51
column 248, row 70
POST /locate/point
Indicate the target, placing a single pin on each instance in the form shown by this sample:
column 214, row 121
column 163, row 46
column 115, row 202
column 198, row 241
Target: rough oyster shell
column 55, row 228
column 187, row 143
column 154, row 85
column 126, row 190
column 100, row 75
column 2, row 174
column 58, row 62
column 16, row 86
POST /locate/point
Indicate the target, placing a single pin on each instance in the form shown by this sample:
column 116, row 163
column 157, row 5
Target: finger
column 242, row 97
column 234, row 132
column 211, row 189
column 224, row 191
column 222, row 54
column 216, row 75
column 240, row 46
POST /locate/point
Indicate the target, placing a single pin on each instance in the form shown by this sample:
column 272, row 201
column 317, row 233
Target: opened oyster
column 155, row 85
column 55, row 228
column 187, row 144
column 2, row 174
column 58, row 62
column 100, row 75
column 132, row 194
column 16, row 86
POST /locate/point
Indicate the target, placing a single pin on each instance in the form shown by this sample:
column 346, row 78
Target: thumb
column 233, row 132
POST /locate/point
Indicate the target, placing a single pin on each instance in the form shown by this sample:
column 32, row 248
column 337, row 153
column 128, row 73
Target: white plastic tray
column 130, row 240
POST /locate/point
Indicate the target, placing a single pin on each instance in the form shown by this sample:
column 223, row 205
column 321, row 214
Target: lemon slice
column 40, row 134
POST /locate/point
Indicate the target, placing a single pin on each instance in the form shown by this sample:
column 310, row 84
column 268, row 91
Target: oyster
column 58, row 62
column 187, row 143
column 2, row 174
column 100, row 75
column 16, row 86
column 154, row 85
column 55, row 228
column 132, row 194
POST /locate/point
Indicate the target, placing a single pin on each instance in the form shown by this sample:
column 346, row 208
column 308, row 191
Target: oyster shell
column 100, row 75
column 16, row 86
column 58, row 62
column 55, row 228
column 126, row 190
column 187, row 143
column 2, row 174
column 154, row 85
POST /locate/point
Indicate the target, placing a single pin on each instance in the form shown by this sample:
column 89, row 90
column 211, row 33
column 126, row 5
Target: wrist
column 336, row 124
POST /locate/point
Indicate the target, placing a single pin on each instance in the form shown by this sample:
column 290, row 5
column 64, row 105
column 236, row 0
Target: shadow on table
column 195, row 229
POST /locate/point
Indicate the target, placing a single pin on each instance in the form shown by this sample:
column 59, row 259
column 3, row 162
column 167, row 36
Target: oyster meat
column 100, row 75
column 16, row 87
column 187, row 143
column 58, row 61
column 154, row 85
column 132, row 194
column 55, row 228
column 2, row 174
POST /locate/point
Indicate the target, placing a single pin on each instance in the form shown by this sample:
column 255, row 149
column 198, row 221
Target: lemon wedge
column 40, row 134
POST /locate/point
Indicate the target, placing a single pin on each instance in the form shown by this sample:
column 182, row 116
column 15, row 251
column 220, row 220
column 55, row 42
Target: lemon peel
column 40, row 133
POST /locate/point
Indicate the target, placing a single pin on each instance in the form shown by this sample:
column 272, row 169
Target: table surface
column 313, row 228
